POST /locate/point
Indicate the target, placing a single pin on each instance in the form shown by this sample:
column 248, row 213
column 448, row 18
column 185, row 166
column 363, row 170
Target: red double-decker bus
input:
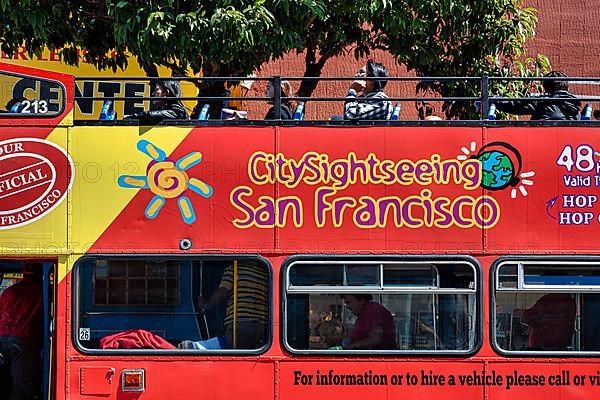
column 199, row 259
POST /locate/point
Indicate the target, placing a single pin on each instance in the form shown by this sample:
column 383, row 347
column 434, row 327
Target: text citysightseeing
column 314, row 168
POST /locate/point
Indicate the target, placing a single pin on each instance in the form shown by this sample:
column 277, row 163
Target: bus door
column 11, row 272
column 47, row 351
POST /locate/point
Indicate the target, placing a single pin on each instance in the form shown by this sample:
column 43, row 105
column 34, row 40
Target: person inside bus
column 287, row 106
column 374, row 329
column 551, row 321
column 250, row 307
column 167, row 106
column 21, row 336
column 332, row 334
column 377, row 107
column 567, row 108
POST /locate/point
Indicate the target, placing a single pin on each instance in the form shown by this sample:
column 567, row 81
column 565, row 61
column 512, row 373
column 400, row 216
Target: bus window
column 412, row 306
column 546, row 306
column 172, row 304
column 26, row 96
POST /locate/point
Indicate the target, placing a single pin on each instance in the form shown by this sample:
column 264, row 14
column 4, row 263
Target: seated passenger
column 332, row 334
column 561, row 110
column 287, row 106
column 551, row 321
column 378, row 107
column 250, row 308
column 170, row 108
column 210, row 88
column 15, row 105
column 374, row 329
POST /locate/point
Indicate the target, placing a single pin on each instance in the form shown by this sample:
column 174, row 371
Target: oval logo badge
column 35, row 176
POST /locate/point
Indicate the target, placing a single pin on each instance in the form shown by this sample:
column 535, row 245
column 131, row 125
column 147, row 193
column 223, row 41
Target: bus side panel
column 173, row 378
column 36, row 175
column 554, row 183
column 368, row 166
column 550, row 380
column 391, row 380
column 112, row 214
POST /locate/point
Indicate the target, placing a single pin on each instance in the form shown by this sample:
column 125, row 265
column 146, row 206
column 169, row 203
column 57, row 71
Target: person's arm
column 218, row 296
column 517, row 107
column 354, row 109
column 223, row 291
column 375, row 106
column 151, row 117
column 155, row 116
column 374, row 338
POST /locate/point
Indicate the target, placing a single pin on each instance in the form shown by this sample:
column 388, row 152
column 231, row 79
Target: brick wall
column 568, row 32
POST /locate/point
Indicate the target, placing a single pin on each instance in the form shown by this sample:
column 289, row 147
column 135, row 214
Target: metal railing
column 484, row 84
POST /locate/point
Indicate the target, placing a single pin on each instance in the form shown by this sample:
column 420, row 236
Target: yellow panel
column 101, row 157
column 64, row 266
column 49, row 61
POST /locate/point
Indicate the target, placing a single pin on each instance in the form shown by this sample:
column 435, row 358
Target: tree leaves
column 450, row 38
column 235, row 37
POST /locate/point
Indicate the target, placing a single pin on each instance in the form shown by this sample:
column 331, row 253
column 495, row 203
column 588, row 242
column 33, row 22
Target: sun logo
column 167, row 179
column 501, row 166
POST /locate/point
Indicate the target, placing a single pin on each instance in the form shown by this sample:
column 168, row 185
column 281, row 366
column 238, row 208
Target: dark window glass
column 407, row 312
column 127, row 301
column 547, row 306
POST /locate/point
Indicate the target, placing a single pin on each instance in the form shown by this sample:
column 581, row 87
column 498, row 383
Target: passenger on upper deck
column 15, row 105
column 378, row 107
column 374, row 329
column 561, row 110
column 171, row 108
column 211, row 88
column 287, row 106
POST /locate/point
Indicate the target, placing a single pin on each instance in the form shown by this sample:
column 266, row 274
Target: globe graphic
column 498, row 170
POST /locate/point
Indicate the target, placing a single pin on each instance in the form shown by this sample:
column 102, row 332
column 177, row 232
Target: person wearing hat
column 21, row 336
column 377, row 107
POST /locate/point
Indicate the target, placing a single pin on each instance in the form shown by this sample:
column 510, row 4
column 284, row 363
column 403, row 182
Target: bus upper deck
column 230, row 101
column 468, row 233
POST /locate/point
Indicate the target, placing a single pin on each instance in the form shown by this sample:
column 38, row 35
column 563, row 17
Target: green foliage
column 451, row 38
column 328, row 28
column 222, row 37
column 235, row 37
column 61, row 24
